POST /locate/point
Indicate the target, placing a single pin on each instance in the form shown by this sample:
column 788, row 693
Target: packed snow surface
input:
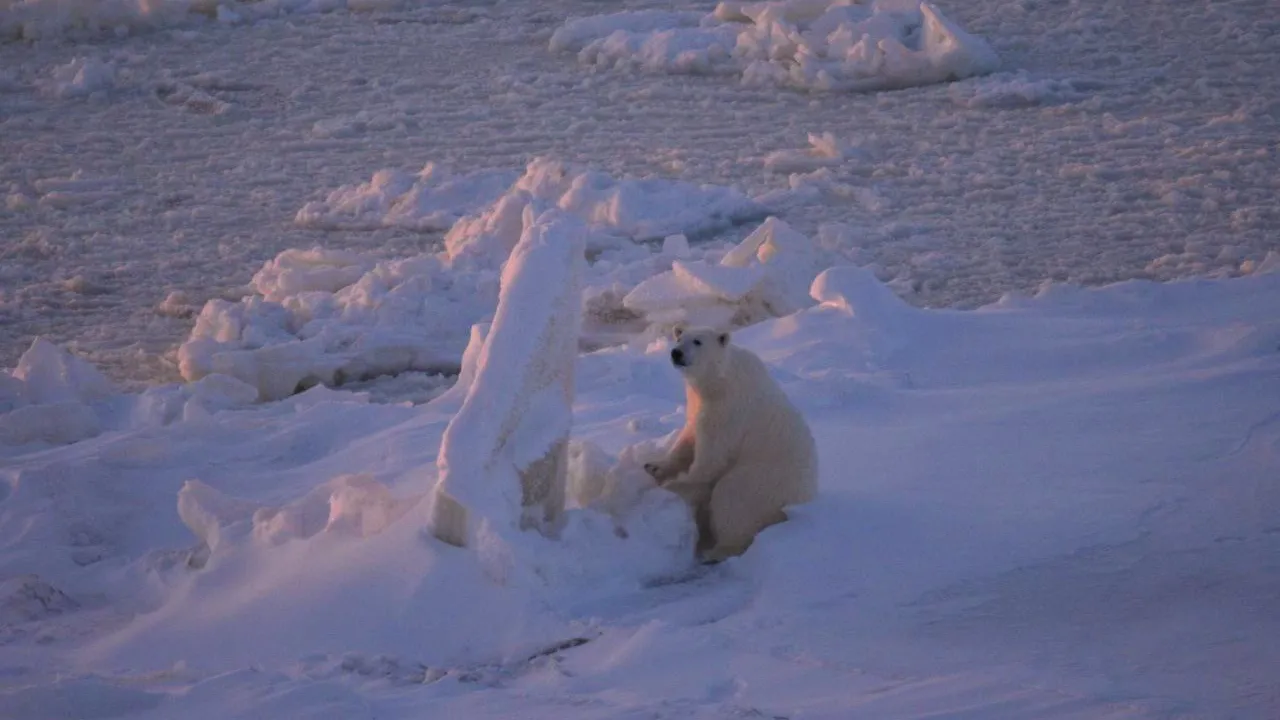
column 1060, row 506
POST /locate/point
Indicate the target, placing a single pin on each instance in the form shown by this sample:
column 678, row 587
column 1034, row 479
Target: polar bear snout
column 677, row 357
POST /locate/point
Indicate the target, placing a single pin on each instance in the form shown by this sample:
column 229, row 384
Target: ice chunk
column 858, row 292
column 49, row 397
column 675, row 245
column 807, row 44
column 574, row 35
column 217, row 392
column 294, row 272
column 825, row 150
column 766, row 275
column 502, row 460
column 208, row 513
column 52, row 375
column 430, row 200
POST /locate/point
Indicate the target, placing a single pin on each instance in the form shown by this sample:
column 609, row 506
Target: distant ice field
column 1114, row 141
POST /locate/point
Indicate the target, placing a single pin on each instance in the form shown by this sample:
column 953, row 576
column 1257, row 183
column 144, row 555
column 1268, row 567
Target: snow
column 332, row 316
column 81, row 76
column 825, row 150
column 1018, row 89
column 503, row 456
column 48, row 396
column 36, row 20
column 1046, row 487
column 1007, row 497
column 809, row 44
column 430, row 200
column 766, row 275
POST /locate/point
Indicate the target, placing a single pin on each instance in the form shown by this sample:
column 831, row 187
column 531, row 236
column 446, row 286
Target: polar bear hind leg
column 737, row 514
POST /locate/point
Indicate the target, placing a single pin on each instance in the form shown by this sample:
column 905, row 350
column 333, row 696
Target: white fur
column 745, row 452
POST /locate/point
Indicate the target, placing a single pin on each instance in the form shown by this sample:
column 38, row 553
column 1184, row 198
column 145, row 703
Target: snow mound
column 429, row 200
column 857, row 292
column 511, row 434
column 767, row 275
column 49, row 374
column 826, row 45
column 331, row 317
column 49, row 397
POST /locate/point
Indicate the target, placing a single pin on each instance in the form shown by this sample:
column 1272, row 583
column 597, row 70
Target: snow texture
column 186, row 174
column 333, row 317
column 830, row 45
column 271, row 560
column 1048, row 472
column 766, row 275
column 503, row 459
column 430, row 200
column 35, row 20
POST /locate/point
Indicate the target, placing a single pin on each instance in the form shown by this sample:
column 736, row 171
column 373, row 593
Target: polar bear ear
column 724, row 338
column 678, row 331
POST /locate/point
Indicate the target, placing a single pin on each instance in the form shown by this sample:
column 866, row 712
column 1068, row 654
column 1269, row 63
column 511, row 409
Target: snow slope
column 1059, row 506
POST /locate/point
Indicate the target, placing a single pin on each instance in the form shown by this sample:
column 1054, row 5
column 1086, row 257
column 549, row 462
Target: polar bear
column 745, row 452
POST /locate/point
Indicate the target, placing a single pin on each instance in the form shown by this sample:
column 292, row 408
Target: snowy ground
column 1121, row 140
column 1059, row 507
column 1060, row 504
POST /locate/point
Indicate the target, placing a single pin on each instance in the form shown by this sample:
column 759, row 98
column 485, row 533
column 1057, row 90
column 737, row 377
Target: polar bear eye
column 698, row 343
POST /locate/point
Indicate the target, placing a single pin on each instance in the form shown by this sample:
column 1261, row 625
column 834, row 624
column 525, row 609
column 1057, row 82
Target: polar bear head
column 699, row 350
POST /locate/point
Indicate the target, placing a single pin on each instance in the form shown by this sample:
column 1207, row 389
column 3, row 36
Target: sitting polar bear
column 745, row 452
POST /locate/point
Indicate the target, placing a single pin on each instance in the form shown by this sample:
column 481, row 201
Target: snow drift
column 825, row 45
